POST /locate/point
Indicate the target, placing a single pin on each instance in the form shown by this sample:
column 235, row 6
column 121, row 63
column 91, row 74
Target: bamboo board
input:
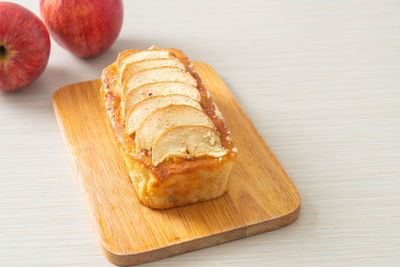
column 260, row 196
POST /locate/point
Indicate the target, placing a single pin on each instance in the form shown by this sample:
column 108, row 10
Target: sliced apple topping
column 140, row 111
column 133, row 67
column 159, row 74
column 162, row 88
column 129, row 56
column 167, row 117
column 187, row 142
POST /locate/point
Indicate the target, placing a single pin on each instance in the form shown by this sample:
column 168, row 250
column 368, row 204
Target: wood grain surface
column 260, row 196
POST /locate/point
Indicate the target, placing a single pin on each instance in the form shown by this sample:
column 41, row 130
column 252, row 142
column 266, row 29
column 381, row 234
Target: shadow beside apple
column 37, row 95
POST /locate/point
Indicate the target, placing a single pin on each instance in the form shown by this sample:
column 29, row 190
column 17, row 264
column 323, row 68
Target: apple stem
column 3, row 53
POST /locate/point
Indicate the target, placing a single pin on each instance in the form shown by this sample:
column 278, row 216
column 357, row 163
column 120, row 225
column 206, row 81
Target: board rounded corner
column 119, row 259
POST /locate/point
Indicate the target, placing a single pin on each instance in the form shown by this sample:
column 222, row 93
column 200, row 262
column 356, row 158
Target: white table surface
column 319, row 79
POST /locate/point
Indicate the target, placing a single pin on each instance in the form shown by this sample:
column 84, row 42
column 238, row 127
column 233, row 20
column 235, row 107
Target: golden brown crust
column 174, row 182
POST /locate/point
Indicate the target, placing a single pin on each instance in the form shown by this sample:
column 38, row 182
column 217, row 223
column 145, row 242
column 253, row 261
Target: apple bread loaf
column 170, row 132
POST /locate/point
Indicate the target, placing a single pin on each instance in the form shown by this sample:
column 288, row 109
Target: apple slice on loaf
column 161, row 88
column 129, row 56
column 133, row 67
column 187, row 142
column 159, row 74
column 144, row 108
column 167, row 117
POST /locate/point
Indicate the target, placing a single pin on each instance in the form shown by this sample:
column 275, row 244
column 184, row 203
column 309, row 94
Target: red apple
column 86, row 28
column 24, row 46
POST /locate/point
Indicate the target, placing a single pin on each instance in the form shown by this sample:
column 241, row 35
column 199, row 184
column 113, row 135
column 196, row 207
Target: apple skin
column 86, row 28
column 24, row 47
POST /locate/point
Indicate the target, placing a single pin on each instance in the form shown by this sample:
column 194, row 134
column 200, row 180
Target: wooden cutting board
column 260, row 195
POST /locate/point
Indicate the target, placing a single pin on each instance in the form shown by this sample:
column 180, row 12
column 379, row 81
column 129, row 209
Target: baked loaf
column 170, row 132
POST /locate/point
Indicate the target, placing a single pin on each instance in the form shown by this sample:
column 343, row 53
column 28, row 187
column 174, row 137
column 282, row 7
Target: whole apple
column 24, row 46
column 86, row 28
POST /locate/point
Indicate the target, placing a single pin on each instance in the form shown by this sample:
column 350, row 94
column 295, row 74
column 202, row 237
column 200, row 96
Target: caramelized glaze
column 178, row 165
